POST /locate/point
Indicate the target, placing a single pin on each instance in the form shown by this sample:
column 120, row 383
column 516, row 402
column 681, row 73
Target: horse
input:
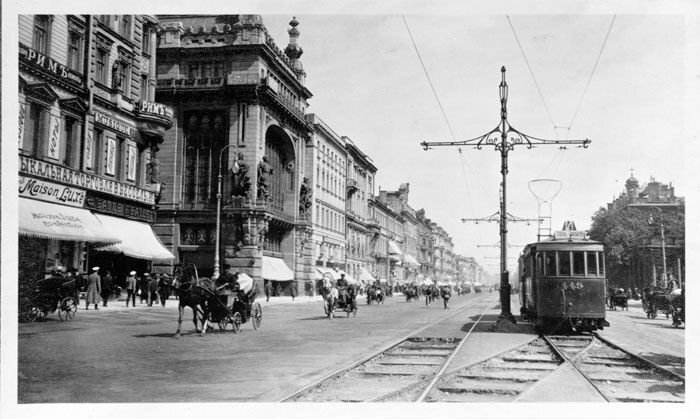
column 330, row 295
column 193, row 292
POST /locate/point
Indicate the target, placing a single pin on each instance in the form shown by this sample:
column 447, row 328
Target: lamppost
column 663, row 241
column 234, row 170
column 509, row 138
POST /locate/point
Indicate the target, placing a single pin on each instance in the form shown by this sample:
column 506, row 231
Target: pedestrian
column 293, row 290
column 278, row 290
column 446, row 294
column 268, row 290
column 131, row 289
column 106, row 285
column 92, row 296
column 153, row 289
column 164, row 289
column 143, row 287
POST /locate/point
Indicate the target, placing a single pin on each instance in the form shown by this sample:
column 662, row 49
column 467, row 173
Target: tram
column 562, row 282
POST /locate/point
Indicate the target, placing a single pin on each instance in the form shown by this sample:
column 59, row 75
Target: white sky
column 368, row 84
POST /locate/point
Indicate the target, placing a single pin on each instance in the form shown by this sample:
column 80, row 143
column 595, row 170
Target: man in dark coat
column 143, row 287
column 106, row 284
column 268, row 290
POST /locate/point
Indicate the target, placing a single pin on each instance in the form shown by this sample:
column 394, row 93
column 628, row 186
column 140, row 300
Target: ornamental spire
column 294, row 51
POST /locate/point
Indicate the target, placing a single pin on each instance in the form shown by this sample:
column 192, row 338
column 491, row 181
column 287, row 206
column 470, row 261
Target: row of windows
column 570, row 263
column 60, row 138
column 41, row 41
column 330, row 219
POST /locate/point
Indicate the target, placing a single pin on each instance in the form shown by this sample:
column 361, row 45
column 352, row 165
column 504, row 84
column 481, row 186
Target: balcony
column 351, row 187
column 203, row 83
column 153, row 118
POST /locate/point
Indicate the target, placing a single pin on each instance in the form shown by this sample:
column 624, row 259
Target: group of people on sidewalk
column 150, row 288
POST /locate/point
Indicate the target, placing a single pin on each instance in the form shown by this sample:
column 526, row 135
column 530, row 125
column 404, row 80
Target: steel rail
column 454, row 370
column 449, row 359
column 366, row 358
column 641, row 358
column 566, row 359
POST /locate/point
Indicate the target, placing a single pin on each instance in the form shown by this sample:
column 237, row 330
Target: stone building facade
column 240, row 111
column 89, row 135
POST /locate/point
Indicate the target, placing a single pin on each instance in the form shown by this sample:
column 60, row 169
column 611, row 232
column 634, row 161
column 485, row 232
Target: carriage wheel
column 67, row 309
column 256, row 316
column 236, row 321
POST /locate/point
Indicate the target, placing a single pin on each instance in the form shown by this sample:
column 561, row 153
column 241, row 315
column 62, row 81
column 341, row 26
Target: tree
column 628, row 234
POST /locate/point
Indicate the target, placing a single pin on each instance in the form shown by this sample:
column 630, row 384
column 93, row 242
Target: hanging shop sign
column 38, row 60
column 145, row 107
column 52, row 172
column 120, row 209
column 51, row 192
column 115, row 125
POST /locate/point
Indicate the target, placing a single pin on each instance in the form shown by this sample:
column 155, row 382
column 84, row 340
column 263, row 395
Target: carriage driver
column 228, row 278
column 342, row 285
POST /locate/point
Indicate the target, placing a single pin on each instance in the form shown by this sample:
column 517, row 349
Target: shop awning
column 59, row 222
column 410, row 260
column 348, row 278
column 137, row 239
column 365, row 276
column 394, row 248
column 274, row 269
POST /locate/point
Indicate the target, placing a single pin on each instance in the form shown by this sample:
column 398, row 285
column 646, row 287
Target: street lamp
column 234, row 170
column 663, row 241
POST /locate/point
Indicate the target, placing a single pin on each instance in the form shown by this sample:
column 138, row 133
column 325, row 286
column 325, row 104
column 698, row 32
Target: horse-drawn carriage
column 338, row 298
column 227, row 305
column 375, row 293
column 410, row 291
column 232, row 307
column 619, row 299
column 50, row 295
column 656, row 301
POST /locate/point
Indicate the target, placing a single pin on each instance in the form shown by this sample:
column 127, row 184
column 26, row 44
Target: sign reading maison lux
column 71, row 177
column 51, row 192
column 37, row 59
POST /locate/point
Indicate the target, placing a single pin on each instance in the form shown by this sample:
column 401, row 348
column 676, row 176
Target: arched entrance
column 279, row 151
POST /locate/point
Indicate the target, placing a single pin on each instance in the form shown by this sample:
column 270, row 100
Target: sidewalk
column 172, row 303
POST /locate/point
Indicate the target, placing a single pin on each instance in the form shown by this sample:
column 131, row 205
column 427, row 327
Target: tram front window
column 564, row 264
column 579, row 265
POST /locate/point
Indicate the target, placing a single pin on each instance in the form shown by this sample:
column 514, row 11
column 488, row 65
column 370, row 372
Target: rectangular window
column 579, row 264
column 125, row 26
column 146, row 41
column 42, row 27
column 101, row 66
column 144, row 88
column 106, row 20
column 35, row 129
column 592, row 262
column 550, row 263
column 564, row 263
column 193, row 71
column 70, row 142
column 75, row 51
column 123, row 69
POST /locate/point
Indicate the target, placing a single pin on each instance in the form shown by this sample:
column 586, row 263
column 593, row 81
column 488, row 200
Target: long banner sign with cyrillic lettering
column 72, row 177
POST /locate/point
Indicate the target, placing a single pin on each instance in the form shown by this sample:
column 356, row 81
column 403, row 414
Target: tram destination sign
column 64, row 175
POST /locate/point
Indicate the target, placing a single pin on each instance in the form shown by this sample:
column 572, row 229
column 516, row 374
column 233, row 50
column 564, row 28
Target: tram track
column 401, row 364
column 617, row 374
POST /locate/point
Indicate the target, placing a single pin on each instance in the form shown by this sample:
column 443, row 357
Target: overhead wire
column 595, row 66
column 442, row 111
column 527, row 63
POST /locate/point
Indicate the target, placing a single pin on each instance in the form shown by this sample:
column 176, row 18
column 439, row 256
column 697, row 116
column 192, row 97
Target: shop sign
column 54, row 137
column 37, row 59
column 50, row 171
column 119, row 208
column 113, row 124
column 145, row 107
column 51, row 192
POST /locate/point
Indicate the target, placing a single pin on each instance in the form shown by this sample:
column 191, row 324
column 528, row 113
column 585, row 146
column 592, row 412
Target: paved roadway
column 130, row 355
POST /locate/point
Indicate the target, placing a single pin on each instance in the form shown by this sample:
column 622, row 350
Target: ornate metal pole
column 234, row 169
column 503, row 145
